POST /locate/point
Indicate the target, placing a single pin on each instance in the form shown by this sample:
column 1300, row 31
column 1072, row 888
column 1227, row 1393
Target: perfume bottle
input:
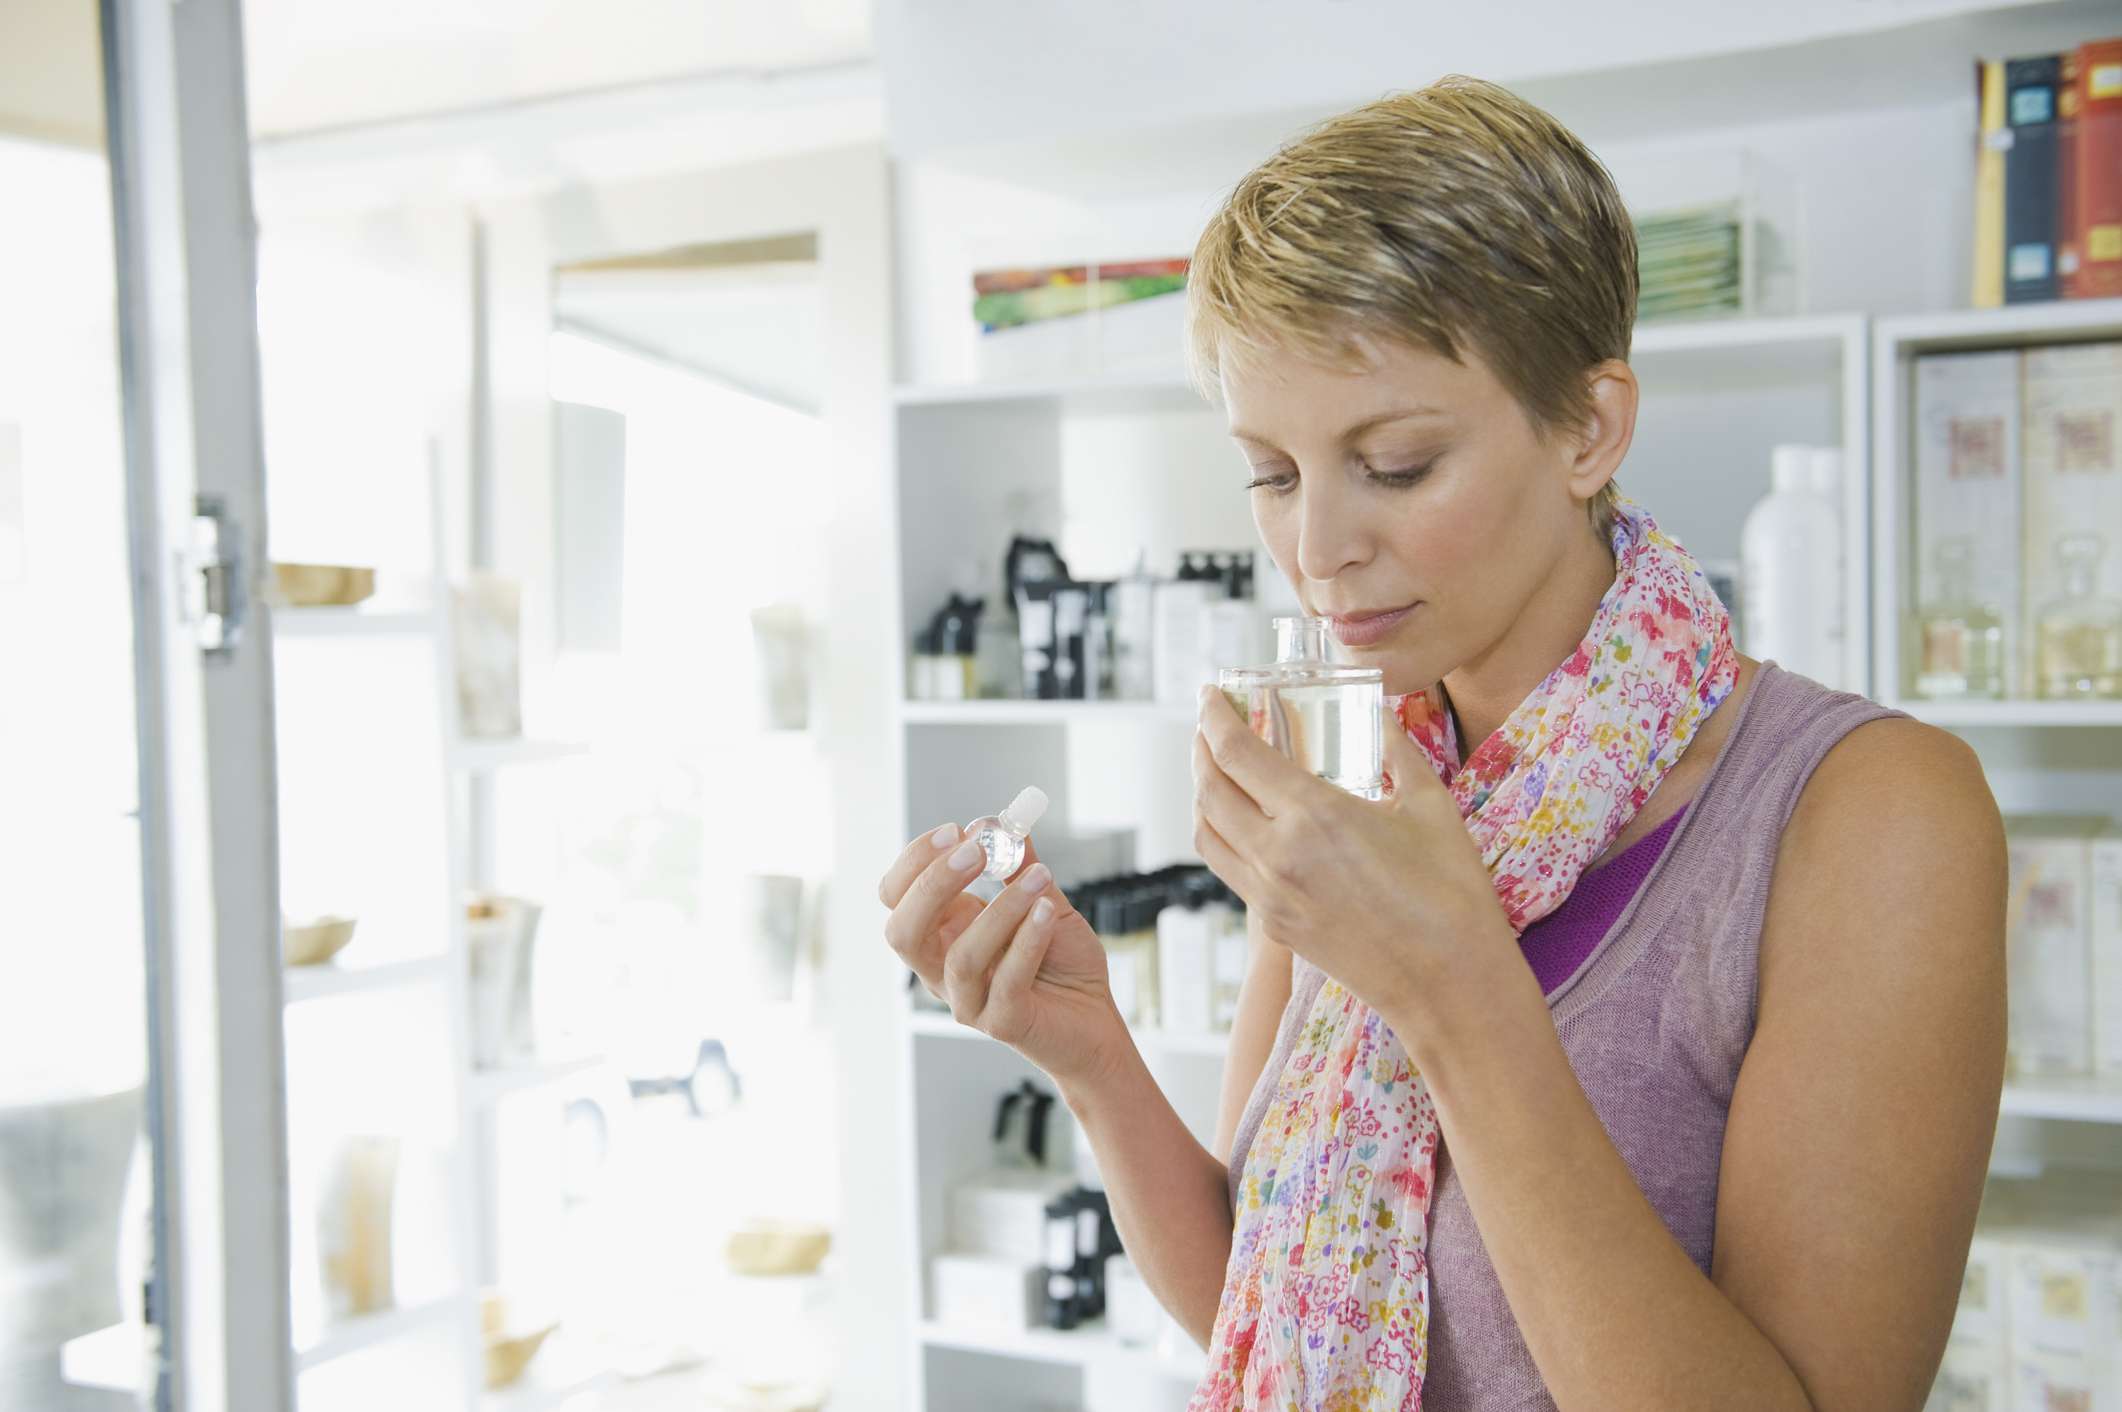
column 1962, row 638
column 2078, row 636
column 1001, row 836
column 1321, row 713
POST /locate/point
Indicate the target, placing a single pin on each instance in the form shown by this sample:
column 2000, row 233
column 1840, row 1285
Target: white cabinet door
column 180, row 174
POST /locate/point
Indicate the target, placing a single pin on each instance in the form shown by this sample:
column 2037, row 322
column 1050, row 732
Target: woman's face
column 1413, row 503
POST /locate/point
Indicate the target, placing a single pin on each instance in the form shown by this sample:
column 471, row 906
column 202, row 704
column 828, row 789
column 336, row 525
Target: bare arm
column 1168, row 1197
column 1178, row 1231
column 1027, row 969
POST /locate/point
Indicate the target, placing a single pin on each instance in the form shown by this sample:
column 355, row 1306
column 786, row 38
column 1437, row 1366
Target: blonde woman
column 1642, row 1049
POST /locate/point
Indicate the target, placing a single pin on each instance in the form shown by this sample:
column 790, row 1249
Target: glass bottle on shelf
column 2078, row 635
column 1961, row 638
column 1323, row 714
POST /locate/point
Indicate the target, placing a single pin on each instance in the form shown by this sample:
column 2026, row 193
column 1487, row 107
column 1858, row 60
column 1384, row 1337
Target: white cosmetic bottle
column 1790, row 591
column 1001, row 836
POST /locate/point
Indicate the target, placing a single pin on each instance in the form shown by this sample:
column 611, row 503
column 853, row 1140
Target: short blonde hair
column 1456, row 212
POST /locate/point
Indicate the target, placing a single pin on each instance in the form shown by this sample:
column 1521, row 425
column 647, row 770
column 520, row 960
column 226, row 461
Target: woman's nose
column 1331, row 535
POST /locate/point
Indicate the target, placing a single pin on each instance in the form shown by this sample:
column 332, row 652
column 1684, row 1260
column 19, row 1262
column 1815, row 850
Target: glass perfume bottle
column 1321, row 713
column 1962, row 639
column 2078, row 636
column 1001, row 836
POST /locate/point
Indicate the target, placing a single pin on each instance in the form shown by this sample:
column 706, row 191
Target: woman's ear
column 1608, row 430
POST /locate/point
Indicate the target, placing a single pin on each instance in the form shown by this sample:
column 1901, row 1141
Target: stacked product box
column 1966, row 496
column 2039, row 1325
column 2063, row 930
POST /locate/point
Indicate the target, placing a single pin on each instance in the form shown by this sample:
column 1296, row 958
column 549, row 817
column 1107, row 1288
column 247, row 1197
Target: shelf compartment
column 350, row 1336
column 1019, row 712
column 489, row 1086
column 355, row 621
column 1082, row 1347
column 2075, row 1100
column 481, row 755
column 942, row 1026
column 1965, row 714
column 299, row 983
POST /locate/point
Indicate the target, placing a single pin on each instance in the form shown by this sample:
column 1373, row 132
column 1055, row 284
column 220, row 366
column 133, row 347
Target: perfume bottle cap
column 1025, row 810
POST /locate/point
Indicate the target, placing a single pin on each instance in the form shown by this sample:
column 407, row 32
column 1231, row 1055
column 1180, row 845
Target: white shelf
column 114, row 1359
column 494, row 754
column 2077, row 1100
column 560, row 1372
column 1813, row 342
column 2012, row 326
column 1082, row 1347
column 1029, row 713
column 355, row 621
column 1963, row 714
column 942, row 1026
column 300, row 983
column 490, row 1086
column 348, row 1336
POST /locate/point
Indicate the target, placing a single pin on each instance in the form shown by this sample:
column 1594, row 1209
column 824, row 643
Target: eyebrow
column 1401, row 414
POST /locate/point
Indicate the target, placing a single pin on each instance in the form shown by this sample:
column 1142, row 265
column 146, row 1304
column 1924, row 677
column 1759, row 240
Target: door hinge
column 214, row 598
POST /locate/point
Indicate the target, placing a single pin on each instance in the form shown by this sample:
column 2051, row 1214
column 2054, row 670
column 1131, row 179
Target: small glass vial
column 1962, row 638
column 1001, row 836
column 2078, row 636
column 1321, row 713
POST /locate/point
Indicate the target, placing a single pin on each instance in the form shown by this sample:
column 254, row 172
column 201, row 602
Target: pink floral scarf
column 1326, row 1299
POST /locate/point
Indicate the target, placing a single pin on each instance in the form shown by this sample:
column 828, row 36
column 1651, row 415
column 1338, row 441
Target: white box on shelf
column 2044, row 1381
column 1131, row 1311
column 2048, row 938
column 1003, row 1213
column 1186, row 964
column 2066, row 1295
column 1971, row 1379
column 1966, row 487
column 986, row 1291
column 2073, row 449
column 2104, row 867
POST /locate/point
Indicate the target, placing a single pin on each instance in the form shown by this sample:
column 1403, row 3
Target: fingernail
column 1035, row 878
column 967, row 853
column 945, row 836
column 1043, row 910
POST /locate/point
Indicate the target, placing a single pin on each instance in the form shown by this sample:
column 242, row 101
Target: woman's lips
column 1362, row 630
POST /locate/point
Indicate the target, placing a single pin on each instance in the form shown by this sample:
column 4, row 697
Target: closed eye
column 1396, row 478
column 1280, row 484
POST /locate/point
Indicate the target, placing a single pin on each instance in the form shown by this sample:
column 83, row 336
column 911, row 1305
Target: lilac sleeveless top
column 1650, row 967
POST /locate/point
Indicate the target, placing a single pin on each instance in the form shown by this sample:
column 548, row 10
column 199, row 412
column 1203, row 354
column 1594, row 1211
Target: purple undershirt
column 1558, row 943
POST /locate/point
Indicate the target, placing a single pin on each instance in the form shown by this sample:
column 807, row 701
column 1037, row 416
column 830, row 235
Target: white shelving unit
column 474, row 1091
column 1107, row 763
column 1738, row 386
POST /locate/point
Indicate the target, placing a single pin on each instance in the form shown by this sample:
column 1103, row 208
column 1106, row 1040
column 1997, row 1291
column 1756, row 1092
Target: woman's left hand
column 1388, row 897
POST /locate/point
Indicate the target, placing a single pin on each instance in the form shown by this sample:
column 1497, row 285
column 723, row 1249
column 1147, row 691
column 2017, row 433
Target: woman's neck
column 1487, row 689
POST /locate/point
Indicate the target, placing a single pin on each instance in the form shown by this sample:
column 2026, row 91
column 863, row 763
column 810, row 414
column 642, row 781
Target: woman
column 1643, row 1048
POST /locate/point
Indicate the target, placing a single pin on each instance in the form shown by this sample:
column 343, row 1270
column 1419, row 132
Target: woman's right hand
column 1024, row 968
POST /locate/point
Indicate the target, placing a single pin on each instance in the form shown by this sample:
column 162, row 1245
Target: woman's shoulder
column 1896, row 815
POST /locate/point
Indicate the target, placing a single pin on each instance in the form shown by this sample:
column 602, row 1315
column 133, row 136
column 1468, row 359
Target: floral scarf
column 1325, row 1302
